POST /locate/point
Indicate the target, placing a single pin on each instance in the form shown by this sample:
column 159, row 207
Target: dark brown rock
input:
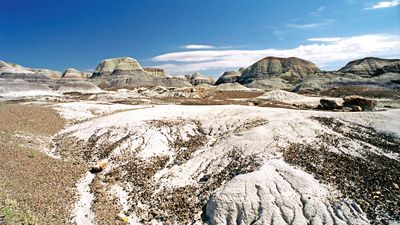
column 329, row 104
column 364, row 103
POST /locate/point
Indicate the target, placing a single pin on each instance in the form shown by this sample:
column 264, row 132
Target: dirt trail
column 39, row 184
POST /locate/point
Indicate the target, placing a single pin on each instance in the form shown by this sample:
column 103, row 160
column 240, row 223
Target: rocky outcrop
column 74, row 74
column 287, row 68
column 369, row 66
column 156, row 71
column 393, row 67
column 197, row 78
column 228, row 77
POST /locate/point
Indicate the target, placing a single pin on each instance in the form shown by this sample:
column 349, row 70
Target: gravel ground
column 40, row 184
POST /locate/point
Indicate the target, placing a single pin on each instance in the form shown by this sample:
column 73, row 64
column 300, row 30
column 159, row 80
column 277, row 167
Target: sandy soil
column 38, row 183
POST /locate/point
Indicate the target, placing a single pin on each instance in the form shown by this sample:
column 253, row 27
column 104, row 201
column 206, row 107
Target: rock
column 197, row 78
column 74, row 74
column 369, row 66
column 98, row 167
column 122, row 217
column 329, row 104
column 228, row 77
column 364, row 103
column 356, row 108
column 290, row 68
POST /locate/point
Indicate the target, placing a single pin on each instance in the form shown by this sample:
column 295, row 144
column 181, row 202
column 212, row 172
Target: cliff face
column 371, row 66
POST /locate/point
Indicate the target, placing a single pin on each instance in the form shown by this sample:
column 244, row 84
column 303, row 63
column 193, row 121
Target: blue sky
column 183, row 36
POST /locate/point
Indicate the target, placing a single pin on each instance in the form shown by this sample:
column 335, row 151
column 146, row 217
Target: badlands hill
column 301, row 75
column 127, row 72
column 370, row 66
column 118, row 66
column 289, row 68
column 229, row 77
column 198, row 78
column 74, row 74
column 15, row 71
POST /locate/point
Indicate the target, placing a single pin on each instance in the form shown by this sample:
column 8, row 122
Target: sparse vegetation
column 14, row 215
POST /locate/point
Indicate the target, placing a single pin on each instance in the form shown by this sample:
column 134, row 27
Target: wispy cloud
column 309, row 25
column 304, row 26
column 318, row 12
column 323, row 51
column 384, row 4
column 198, row 47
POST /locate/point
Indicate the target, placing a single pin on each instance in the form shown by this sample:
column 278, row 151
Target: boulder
column 364, row 103
column 288, row 68
column 98, row 168
column 369, row 66
column 329, row 104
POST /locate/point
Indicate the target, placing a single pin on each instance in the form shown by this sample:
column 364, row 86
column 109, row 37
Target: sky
column 185, row 36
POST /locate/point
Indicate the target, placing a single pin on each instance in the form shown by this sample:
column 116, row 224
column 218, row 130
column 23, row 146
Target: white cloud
column 385, row 4
column 323, row 51
column 198, row 47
